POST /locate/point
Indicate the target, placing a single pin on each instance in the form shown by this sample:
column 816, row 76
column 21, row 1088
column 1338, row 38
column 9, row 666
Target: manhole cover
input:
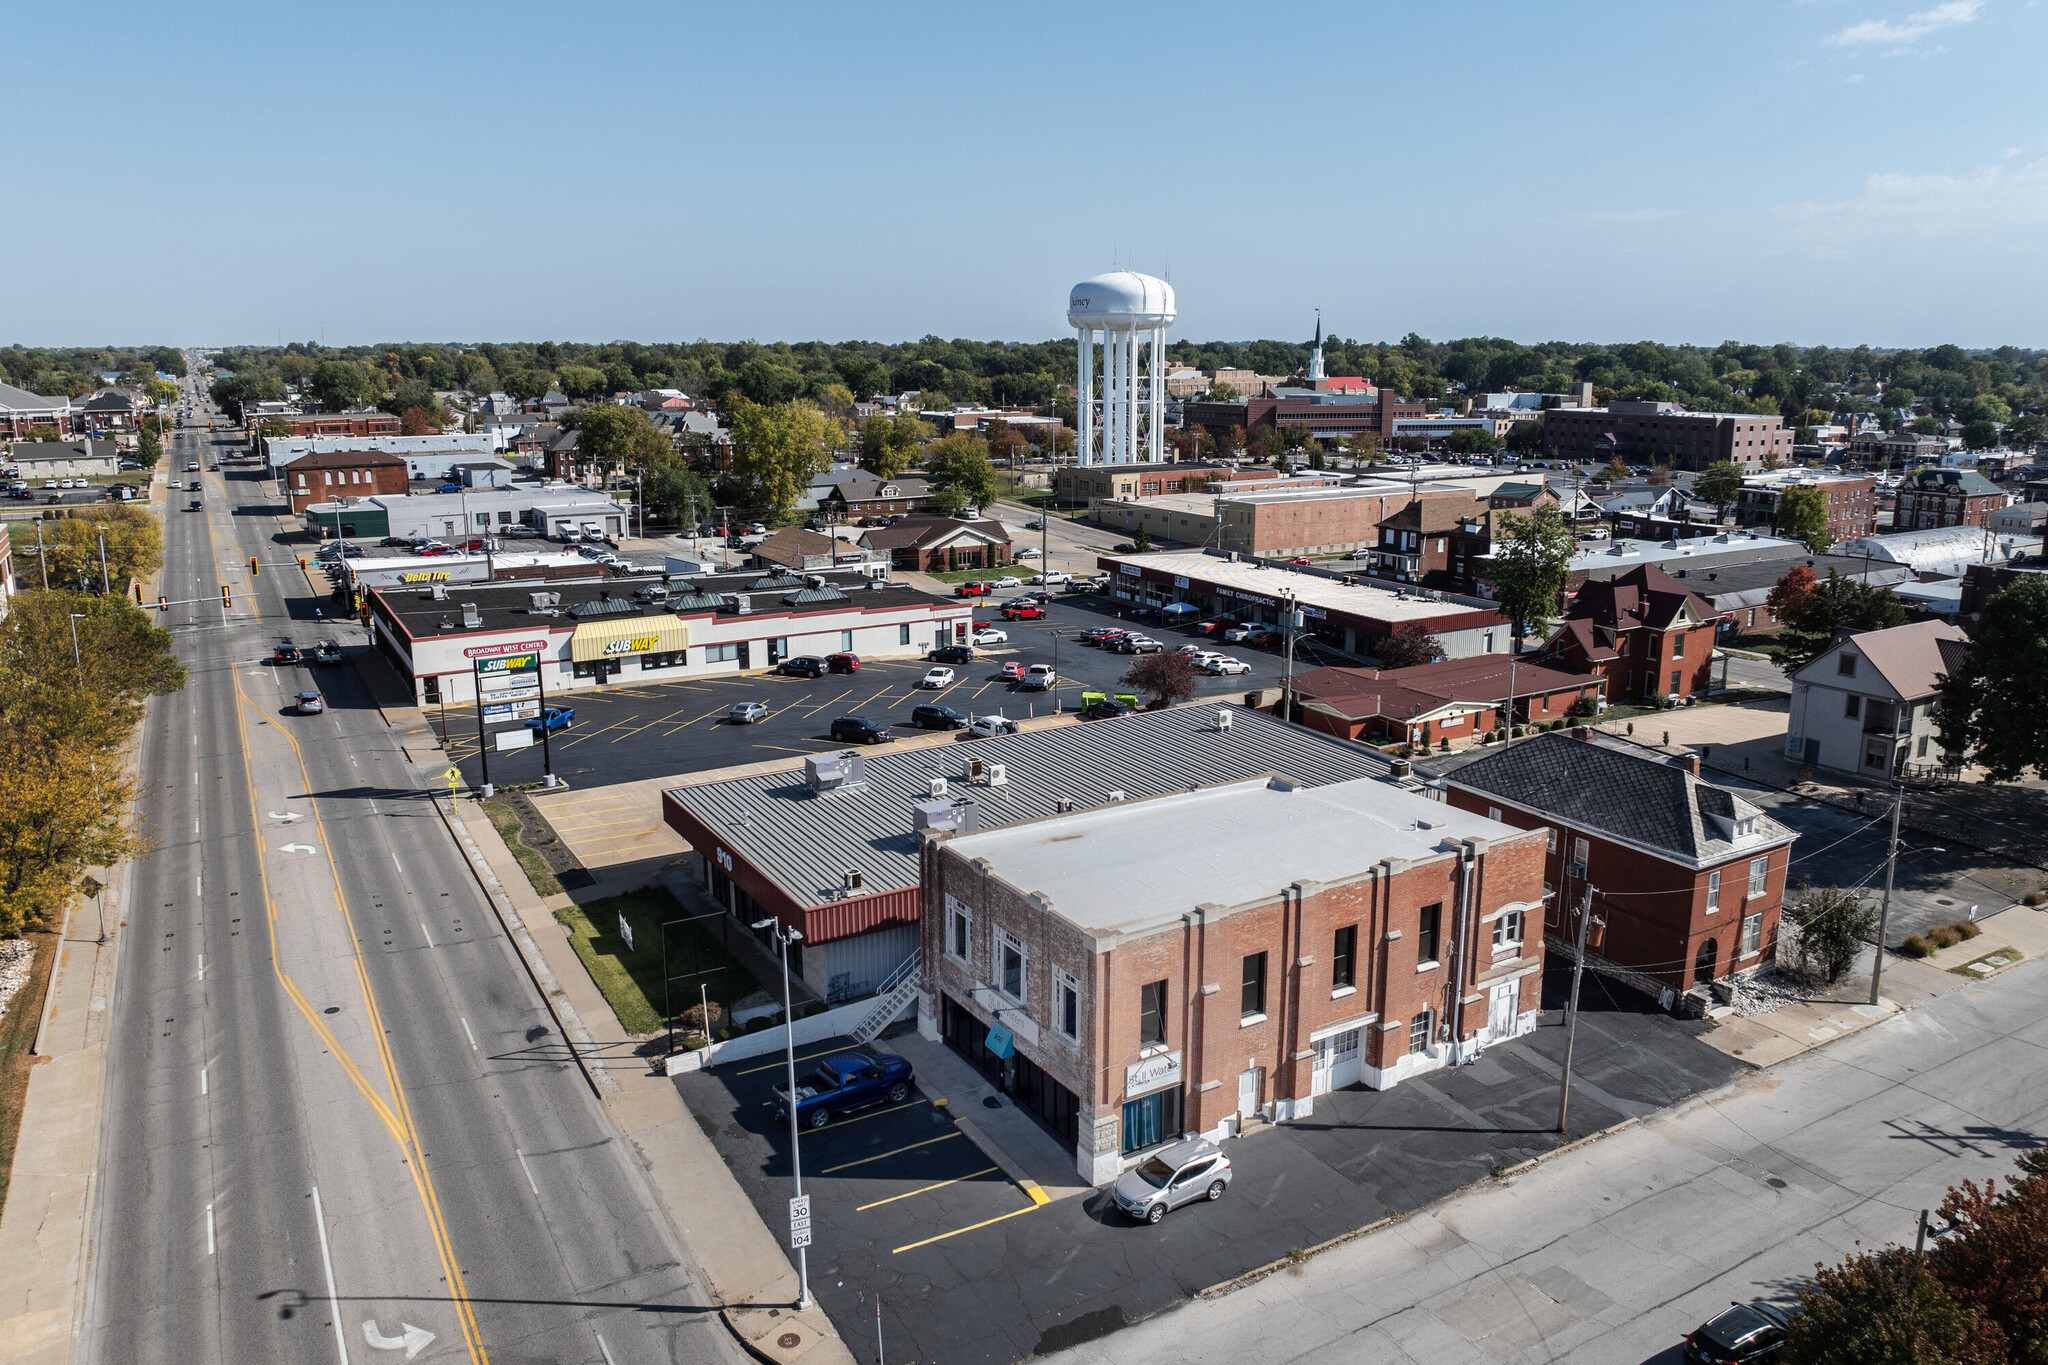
column 1775, row 1183
column 1943, row 900
column 788, row 1341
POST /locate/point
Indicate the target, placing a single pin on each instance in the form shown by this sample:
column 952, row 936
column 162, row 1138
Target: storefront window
column 674, row 658
column 1151, row 1119
column 721, row 654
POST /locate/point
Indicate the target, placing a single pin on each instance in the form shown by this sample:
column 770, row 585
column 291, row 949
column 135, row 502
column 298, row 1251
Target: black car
column 951, row 654
column 1104, row 710
column 286, row 653
column 398, row 542
column 802, row 666
column 860, row 730
column 1743, row 1334
column 937, row 718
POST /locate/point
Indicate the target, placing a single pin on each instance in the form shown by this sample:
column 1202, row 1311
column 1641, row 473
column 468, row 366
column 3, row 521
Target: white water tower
column 1130, row 311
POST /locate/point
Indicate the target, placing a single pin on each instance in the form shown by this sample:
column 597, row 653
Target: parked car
column 1053, row 578
column 1007, row 581
column 1742, row 1334
column 1038, row 678
column 989, row 727
column 990, row 635
column 1261, row 635
column 1173, row 1176
column 1035, row 524
column 938, row 677
column 286, row 653
column 971, row 590
column 310, row 704
column 842, row 663
column 1027, row 552
column 1104, row 710
column 1012, row 672
column 1095, row 635
column 747, row 713
column 802, row 666
column 1123, row 547
column 399, row 542
column 1359, row 554
column 1023, row 611
column 1234, row 634
column 1301, row 561
column 933, row 717
column 553, row 719
column 951, row 654
column 1138, row 644
column 327, row 652
column 1223, row 666
column 859, row 730
column 843, row 1084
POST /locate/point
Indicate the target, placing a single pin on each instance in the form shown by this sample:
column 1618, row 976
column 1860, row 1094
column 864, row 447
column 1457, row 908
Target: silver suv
column 1172, row 1176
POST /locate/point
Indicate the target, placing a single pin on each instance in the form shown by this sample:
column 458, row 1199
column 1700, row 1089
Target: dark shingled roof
column 1611, row 786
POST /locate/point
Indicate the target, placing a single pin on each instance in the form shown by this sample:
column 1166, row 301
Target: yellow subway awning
column 616, row 639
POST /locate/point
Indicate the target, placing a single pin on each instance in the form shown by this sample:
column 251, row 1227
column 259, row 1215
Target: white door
column 1501, row 1011
column 1344, row 1059
column 1319, row 1074
column 1248, row 1091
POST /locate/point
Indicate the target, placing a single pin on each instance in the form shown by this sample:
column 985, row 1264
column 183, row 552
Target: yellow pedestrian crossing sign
column 454, row 779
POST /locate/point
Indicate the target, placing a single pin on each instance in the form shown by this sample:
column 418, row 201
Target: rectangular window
column 1010, row 966
column 959, row 929
column 721, row 654
column 1420, row 1030
column 1678, row 645
column 1550, row 840
column 1752, row 934
column 1426, row 934
column 1579, row 851
column 1922, row 752
column 1152, row 1014
column 1066, row 999
column 1493, row 814
column 1507, row 931
column 1852, row 706
column 845, row 641
column 1713, row 891
column 1151, row 1119
column 1759, row 871
column 903, row 635
column 1845, row 664
column 673, row 658
column 1252, row 999
column 1344, row 958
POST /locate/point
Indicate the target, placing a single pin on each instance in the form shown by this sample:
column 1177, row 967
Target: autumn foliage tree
column 1409, row 645
column 1166, row 677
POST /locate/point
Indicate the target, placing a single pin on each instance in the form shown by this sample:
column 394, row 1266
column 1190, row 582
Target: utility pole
column 783, row 938
column 1891, row 862
column 1571, row 1019
column 1292, row 626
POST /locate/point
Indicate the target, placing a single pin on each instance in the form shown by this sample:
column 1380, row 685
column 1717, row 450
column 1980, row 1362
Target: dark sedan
column 859, row 730
column 937, row 718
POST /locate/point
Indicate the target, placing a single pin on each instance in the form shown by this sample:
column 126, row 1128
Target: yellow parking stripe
column 779, row 1064
column 1028, row 1208
column 884, row 1156
column 927, row 1189
column 873, row 1114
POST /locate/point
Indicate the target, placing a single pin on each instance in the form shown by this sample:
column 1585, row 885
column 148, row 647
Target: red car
column 842, row 663
column 971, row 590
column 1301, row 561
column 1021, row 612
column 1012, row 671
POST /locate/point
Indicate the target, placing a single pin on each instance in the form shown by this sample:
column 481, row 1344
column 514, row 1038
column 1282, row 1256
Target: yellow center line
column 884, row 1156
column 1028, row 1208
column 910, row 1194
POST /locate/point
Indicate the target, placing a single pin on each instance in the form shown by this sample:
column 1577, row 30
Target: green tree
column 1830, row 607
column 1886, row 1308
column 776, row 452
column 1980, row 434
column 1829, row 926
column 1532, row 556
column 161, row 391
column 1141, row 540
column 1990, row 708
column 529, row 383
column 581, row 381
column 1473, row 441
column 889, row 444
column 276, row 427
column 1222, row 392
column 1718, row 483
column 148, row 448
column 1409, row 645
column 614, row 438
column 1926, row 426
column 1803, row 515
column 674, row 493
column 133, row 542
column 960, row 473
column 341, row 384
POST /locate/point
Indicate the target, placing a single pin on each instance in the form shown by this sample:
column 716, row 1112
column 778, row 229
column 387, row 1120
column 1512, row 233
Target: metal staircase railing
column 896, row 992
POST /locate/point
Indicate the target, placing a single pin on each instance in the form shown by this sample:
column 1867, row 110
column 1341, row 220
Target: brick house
column 1690, row 877
column 1946, row 497
column 933, row 544
column 1414, row 542
column 109, row 410
column 342, row 474
column 864, row 495
column 1455, row 699
column 1263, row 942
column 1645, row 632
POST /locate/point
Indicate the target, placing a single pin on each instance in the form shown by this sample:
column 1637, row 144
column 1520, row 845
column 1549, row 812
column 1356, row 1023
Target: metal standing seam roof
column 806, row 843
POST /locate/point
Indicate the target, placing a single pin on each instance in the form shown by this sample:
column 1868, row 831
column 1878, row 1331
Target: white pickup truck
column 1052, row 578
column 1038, row 678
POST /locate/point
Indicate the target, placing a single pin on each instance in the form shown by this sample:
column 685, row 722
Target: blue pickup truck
column 845, row 1082
column 557, row 718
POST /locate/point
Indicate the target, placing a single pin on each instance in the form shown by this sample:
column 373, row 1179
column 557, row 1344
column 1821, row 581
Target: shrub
column 1966, row 928
column 1584, row 707
column 1829, row 925
column 757, row 1023
column 1444, row 745
column 1489, row 737
column 694, row 1019
column 1944, row 937
column 1916, row 946
column 2035, row 898
column 816, row 1007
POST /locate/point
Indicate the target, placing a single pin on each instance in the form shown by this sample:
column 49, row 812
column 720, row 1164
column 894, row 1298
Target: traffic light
column 162, row 603
column 138, row 593
column 223, row 597
column 252, row 566
column 302, row 563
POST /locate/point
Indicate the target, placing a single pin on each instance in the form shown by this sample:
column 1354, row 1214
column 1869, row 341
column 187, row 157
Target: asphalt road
column 337, row 1109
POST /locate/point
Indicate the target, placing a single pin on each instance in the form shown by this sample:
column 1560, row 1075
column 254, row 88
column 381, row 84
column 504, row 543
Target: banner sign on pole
column 506, row 740
column 515, row 710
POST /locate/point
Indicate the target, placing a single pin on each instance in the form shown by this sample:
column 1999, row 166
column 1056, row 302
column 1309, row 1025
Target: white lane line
column 195, row 826
column 202, row 966
column 395, row 863
column 423, row 930
column 472, row 1037
column 199, row 886
column 195, row 778
column 606, row 1349
column 333, row 1299
column 202, row 1080
column 528, row 1169
column 209, row 1229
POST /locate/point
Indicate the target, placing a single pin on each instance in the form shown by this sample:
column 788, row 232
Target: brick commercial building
column 22, row 412
column 1329, row 416
column 934, row 544
column 1261, row 943
column 1282, row 521
column 1648, row 635
column 859, row 498
column 1085, row 483
column 365, row 422
column 1664, row 433
column 1451, row 699
column 342, row 474
column 1931, row 498
column 1851, row 500
column 1689, row 876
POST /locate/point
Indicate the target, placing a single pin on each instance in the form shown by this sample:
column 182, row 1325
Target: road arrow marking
column 415, row 1340
column 297, row 848
column 287, row 816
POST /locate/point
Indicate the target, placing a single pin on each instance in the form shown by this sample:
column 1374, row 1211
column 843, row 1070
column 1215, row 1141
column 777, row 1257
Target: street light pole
column 101, row 533
column 78, row 660
column 783, row 938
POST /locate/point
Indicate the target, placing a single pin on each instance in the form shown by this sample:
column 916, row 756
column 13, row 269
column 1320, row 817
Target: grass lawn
column 631, row 978
column 506, row 822
column 1021, row 572
column 1773, row 647
column 17, row 1036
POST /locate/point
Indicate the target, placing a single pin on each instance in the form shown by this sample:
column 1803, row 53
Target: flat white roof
column 1357, row 599
column 1131, row 868
column 1624, row 554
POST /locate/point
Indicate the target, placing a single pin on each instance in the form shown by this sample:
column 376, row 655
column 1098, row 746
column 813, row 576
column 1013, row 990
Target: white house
column 1866, row 706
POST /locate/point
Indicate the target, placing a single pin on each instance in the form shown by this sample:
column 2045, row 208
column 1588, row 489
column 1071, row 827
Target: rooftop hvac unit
column 959, row 815
column 471, row 617
column 439, row 592
column 1222, row 720
column 835, row 772
column 975, row 769
column 1116, row 796
column 998, row 774
column 742, row 604
column 853, row 882
column 938, row 786
column 1063, row 805
column 541, row 603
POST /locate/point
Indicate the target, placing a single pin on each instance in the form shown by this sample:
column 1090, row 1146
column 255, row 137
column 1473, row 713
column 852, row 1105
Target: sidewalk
column 1028, row 1154
column 744, row 1267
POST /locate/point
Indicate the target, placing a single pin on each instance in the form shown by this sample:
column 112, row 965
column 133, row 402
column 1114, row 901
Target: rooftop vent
column 1401, row 767
column 741, row 604
column 542, row 603
column 1063, row 805
column 439, row 592
column 471, row 617
column 1115, row 797
column 843, row 771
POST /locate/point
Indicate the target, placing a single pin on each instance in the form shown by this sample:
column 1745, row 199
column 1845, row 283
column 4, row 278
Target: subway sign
column 639, row 644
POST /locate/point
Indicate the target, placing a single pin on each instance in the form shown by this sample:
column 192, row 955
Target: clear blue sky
column 1833, row 171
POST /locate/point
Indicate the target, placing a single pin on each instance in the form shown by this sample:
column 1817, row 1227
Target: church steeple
column 1315, row 362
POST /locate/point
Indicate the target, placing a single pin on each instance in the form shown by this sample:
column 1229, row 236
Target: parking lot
column 631, row 731
column 906, row 1207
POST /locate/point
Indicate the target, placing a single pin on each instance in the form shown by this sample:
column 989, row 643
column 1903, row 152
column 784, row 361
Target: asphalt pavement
column 339, row 1115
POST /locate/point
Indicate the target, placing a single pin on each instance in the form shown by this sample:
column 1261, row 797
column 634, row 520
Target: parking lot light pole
column 783, row 938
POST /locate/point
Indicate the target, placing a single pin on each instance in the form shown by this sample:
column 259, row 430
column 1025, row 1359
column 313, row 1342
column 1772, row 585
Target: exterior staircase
column 896, row 992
